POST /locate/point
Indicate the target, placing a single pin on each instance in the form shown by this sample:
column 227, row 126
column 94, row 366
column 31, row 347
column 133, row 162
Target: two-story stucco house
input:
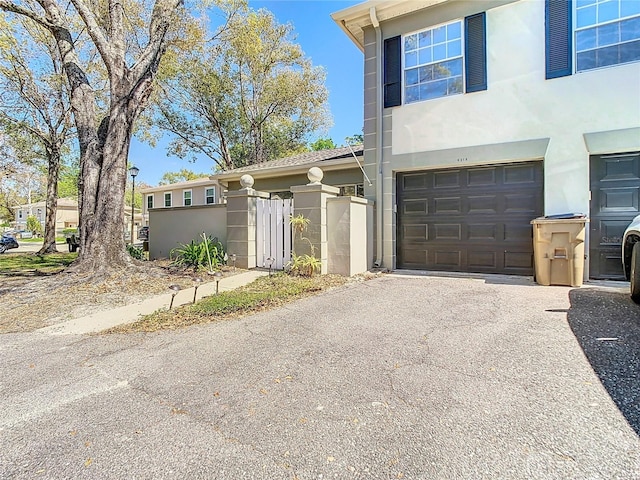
column 66, row 214
column 201, row 191
column 482, row 115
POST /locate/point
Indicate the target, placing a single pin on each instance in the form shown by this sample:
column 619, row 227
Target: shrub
column 33, row 225
column 135, row 252
column 208, row 253
column 303, row 265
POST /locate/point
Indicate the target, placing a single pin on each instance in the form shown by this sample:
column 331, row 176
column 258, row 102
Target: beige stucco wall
column 170, row 227
column 350, row 176
column 349, row 235
column 521, row 116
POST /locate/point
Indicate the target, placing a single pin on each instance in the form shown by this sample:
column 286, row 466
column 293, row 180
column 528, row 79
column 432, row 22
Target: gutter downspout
column 379, row 99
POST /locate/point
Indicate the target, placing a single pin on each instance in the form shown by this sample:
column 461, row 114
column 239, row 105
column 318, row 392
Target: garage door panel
column 482, row 232
column 481, row 177
column 524, row 204
column 475, row 219
column 518, row 260
column 620, row 167
column 444, row 231
column 479, row 259
column 447, row 206
column 446, row 179
column 415, row 232
column 447, row 258
column 487, row 204
column 519, row 174
column 619, row 199
column 415, row 207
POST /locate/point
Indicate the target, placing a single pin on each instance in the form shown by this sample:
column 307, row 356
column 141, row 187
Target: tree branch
column 101, row 42
column 17, row 9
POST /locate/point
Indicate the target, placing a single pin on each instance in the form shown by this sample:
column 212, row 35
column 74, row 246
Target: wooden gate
column 273, row 233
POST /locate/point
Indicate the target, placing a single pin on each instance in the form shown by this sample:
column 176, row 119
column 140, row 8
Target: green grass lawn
column 262, row 294
column 20, row 264
column 39, row 240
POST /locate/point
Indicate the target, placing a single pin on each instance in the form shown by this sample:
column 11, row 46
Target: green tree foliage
column 183, row 175
column 323, row 144
column 354, row 139
column 34, row 225
column 249, row 97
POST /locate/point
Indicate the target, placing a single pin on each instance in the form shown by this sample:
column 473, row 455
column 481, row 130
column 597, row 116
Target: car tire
column 3, row 249
column 635, row 272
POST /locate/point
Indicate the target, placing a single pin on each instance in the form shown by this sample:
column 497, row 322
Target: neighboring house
column 66, row 214
column 341, row 167
column 482, row 115
column 201, row 191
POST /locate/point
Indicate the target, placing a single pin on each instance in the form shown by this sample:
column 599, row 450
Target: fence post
column 241, row 222
column 311, row 201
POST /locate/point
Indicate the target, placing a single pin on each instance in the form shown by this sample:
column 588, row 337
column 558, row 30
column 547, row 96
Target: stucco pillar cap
column 246, row 181
column 315, row 175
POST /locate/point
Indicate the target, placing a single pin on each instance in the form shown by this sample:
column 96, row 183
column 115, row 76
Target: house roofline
column 198, row 182
column 332, row 165
column 353, row 20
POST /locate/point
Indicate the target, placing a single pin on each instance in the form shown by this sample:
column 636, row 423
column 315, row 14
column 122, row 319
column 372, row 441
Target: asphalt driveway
column 397, row 377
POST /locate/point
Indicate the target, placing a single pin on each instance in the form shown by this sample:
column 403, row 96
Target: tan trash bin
column 558, row 247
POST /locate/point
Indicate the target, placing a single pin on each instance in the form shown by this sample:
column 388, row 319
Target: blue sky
column 326, row 45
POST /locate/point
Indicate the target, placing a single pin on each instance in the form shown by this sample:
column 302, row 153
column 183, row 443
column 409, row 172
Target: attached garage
column 615, row 192
column 472, row 219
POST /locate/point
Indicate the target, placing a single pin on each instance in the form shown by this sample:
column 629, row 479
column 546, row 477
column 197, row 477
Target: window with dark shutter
column 558, row 38
column 392, row 72
column 475, row 52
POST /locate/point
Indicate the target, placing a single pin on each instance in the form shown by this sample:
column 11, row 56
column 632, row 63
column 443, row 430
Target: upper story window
column 436, row 62
column 433, row 63
column 186, row 198
column 607, row 32
column 150, row 201
column 167, row 199
column 210, row 195
column 20, row 214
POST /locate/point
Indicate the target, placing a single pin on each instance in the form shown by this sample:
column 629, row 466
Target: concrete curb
column 130, row 313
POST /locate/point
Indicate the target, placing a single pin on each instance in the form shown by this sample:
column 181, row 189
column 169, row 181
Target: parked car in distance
column 7, row 242
column 631, row 257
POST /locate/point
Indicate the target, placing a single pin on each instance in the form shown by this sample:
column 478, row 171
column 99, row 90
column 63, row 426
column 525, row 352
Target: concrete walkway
column 105, row 319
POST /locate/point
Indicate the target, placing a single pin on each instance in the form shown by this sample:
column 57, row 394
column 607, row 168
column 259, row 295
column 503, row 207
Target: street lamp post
column 133, row 171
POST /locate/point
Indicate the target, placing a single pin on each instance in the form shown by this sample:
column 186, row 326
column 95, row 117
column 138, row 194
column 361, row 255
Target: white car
column 631, row 257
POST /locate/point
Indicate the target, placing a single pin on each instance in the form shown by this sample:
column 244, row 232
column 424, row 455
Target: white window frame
column 460, row 21
column 20, row 215
column 149, row 197
column 164, row 196
column 184, row 197
column 207, row 196
column 576, row 9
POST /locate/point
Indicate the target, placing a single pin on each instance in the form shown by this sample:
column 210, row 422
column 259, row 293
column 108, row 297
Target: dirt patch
column 34, row 300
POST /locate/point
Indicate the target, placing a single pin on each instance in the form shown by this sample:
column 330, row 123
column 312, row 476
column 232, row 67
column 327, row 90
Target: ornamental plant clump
column 207, row 253
column 303, row 265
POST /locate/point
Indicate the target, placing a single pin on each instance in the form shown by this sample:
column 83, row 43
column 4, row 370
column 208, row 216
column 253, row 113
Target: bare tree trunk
column 53, row 171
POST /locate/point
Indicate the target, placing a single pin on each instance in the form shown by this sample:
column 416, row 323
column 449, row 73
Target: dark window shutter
column 558, row 50
column 392, row 72
column 475, row 52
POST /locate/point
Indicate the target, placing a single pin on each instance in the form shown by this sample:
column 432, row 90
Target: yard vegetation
column 31, row 264
column 262, row 294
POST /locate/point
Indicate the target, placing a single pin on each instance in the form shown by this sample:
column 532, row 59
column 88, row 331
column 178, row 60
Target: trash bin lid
column 564, row 216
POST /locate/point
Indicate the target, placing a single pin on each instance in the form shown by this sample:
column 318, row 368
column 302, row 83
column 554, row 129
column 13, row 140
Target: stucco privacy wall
column 349, row 235
column 282, row 183
column 171, row 227
column 521, row 116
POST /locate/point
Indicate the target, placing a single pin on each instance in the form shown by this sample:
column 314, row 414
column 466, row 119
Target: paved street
column 414, row 377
